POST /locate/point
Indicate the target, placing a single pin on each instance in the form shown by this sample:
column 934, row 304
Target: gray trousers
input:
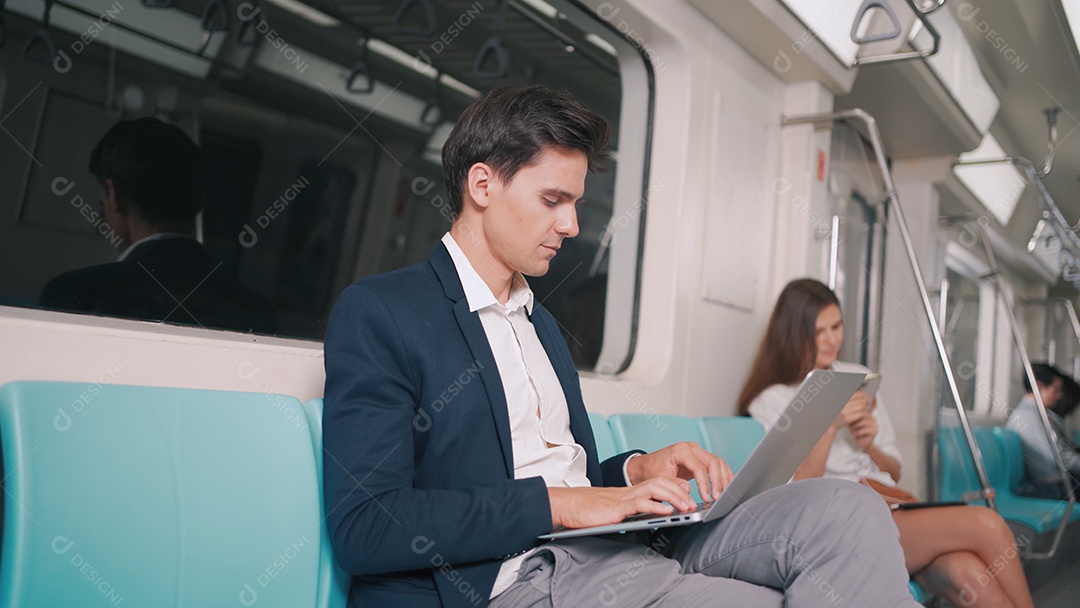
column 820, row 542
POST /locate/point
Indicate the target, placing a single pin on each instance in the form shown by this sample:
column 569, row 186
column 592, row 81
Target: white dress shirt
column 846, row 459
column 1039, row 461
column 539, row 418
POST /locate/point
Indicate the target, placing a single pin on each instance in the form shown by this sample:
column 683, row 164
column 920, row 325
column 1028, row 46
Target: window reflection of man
column 148, row 173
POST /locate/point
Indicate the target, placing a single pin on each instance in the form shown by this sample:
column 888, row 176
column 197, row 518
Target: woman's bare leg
column 961, row 578
column 928, row 534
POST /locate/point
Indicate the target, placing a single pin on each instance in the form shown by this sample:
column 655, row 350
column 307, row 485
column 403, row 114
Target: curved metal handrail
column 1018, row 339
column 986, row 493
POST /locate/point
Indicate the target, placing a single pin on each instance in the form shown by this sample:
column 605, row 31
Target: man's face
column 528, row 218
column 1051, row 393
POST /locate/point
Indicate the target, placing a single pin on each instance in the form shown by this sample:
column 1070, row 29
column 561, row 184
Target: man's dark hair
column 509, row 128
column 154, row 166
column 1070, row 397
column 1044, row 375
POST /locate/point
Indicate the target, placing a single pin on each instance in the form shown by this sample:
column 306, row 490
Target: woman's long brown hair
column 788, row 350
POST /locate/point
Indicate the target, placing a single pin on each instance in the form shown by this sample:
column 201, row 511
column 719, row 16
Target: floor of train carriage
column 1062, row 591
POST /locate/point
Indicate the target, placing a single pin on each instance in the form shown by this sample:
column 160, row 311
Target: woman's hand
column 864, row 429
column 853, row 411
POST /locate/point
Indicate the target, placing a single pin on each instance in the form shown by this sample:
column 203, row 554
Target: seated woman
column 963, row 553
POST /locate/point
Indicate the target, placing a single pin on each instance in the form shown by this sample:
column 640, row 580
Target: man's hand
column 585, row 507
column 684, row 460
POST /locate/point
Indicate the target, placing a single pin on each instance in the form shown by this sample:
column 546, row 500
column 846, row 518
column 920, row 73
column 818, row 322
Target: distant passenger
column 1042, row 478
column 966, row 554
column 149, row 175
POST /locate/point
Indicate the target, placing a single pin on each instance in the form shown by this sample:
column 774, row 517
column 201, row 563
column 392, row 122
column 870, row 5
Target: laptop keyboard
column 701, row 506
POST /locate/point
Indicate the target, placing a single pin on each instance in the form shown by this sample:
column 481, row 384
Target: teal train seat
column 731, row 437
column 333, row 581
column 652, row 432
column 145, row 496
column 148, row 496
column 1003, row 458
column 605, row 442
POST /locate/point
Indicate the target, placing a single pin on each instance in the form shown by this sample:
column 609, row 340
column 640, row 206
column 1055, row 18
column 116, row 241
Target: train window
column 320, row 128
column 961, row 332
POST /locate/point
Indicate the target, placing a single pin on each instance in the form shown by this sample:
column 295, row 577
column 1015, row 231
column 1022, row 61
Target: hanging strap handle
column 432, row 113
column 428, row 11
column 360, row 79
column 493, row 51
column 41, row 40
column 215, row 17
column 247, row 35
column 866, row 7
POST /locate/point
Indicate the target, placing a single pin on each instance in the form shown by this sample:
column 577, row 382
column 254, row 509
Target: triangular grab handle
column 428, row 10
column 866, row 7
column 492, row 49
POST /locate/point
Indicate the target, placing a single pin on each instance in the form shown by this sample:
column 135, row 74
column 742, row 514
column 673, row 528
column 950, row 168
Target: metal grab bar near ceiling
column 920, row 14
column 824, row 120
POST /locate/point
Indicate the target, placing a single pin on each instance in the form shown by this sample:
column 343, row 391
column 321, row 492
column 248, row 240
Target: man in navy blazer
column 455, row 432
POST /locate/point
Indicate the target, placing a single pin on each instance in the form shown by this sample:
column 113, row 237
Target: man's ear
column 113, row 201
column 479, row 183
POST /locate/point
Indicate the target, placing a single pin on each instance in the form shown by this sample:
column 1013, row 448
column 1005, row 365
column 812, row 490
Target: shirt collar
column 153, row 237
column 477, row 292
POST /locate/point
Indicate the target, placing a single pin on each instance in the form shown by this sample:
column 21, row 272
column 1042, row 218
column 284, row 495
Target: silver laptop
column 815, row 405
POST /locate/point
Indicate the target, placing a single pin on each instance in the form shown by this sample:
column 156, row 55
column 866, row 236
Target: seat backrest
column 652, row 432
column 144, row 496
column 731, row 437
column 605, row 442
column 333, row 581
column 1013, row 452
column 957, row 470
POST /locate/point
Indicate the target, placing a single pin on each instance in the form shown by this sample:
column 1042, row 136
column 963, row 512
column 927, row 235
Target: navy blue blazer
column 421, row 500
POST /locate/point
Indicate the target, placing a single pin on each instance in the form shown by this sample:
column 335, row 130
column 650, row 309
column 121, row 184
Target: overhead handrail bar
column 136, row 31
column 986, row 493
column 602, row 60
column 1059, row 225
column 904, row 55
column 1014, row 327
